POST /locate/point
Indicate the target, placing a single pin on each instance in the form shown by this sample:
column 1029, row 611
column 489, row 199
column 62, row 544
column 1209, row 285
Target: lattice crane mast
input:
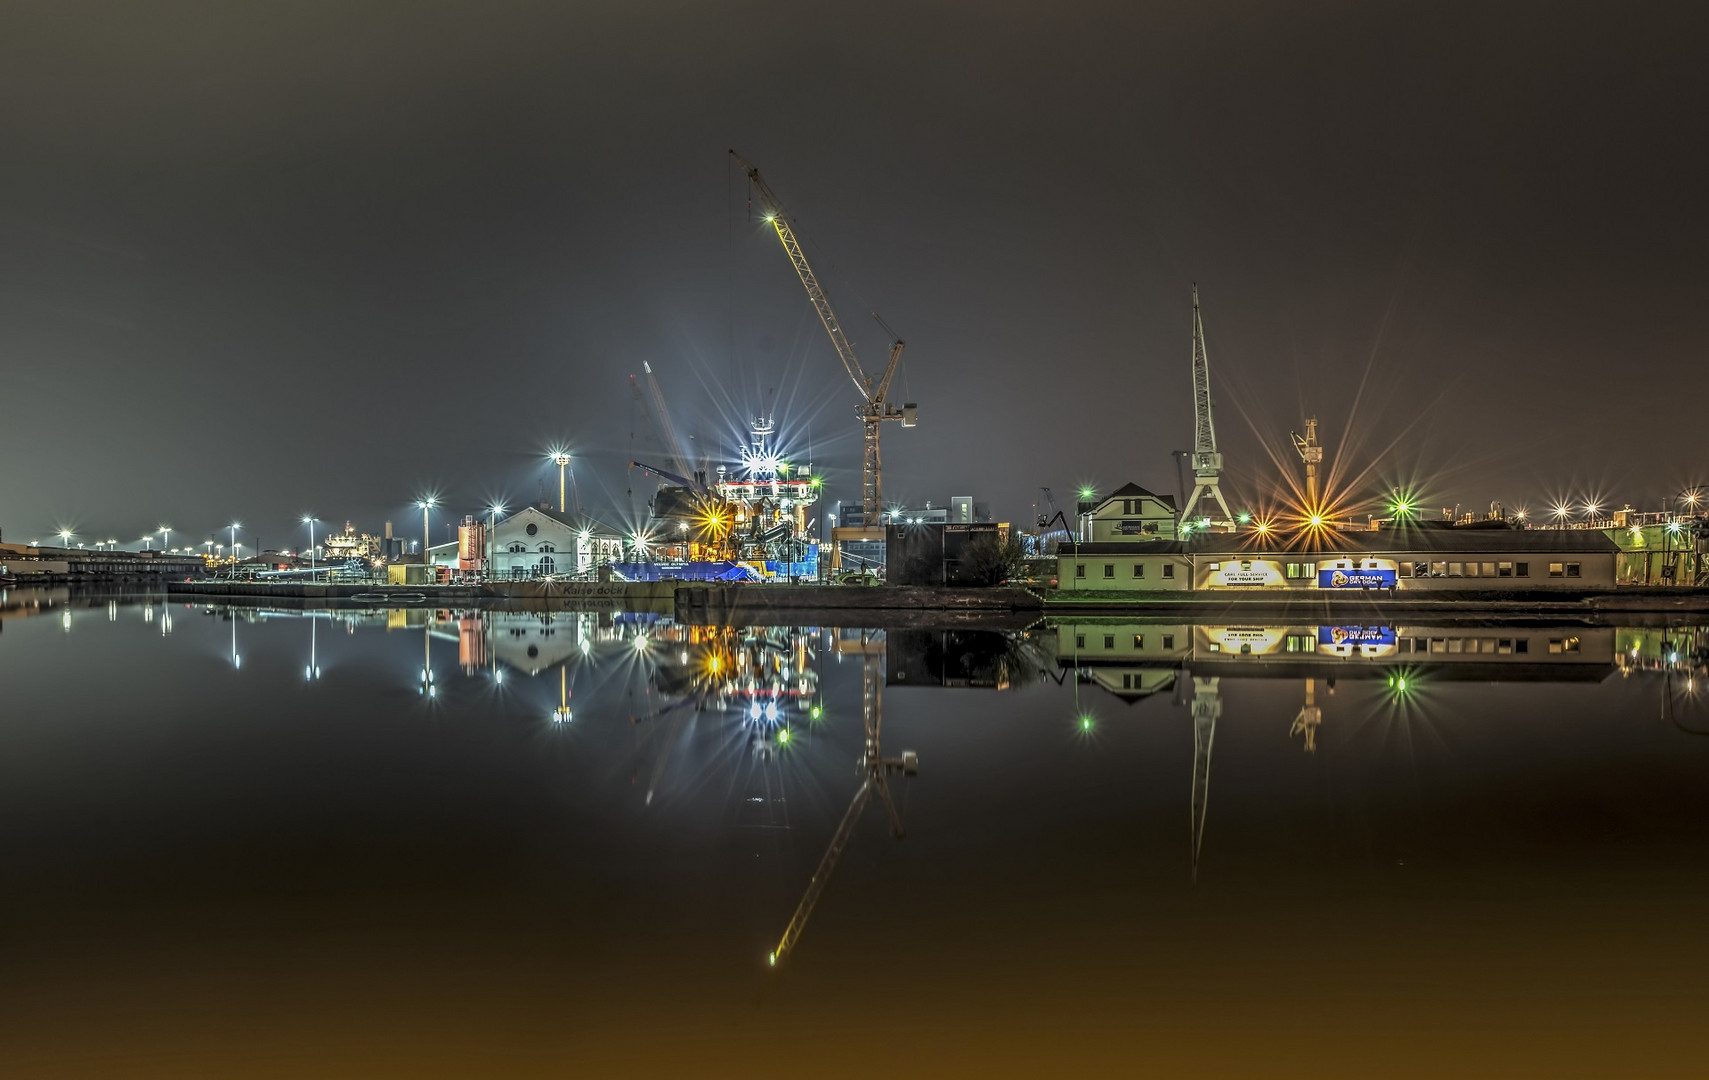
column 876, row 407
column 1207, row 460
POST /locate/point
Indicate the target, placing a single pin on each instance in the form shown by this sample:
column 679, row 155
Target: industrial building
column 1133, row 550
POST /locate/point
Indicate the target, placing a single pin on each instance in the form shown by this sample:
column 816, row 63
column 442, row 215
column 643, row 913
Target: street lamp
column 426, row 504
column 65, row 536
column 561, row 459
column 165, row 537
column 309, row 520
column 493, row 511
column 234, row 548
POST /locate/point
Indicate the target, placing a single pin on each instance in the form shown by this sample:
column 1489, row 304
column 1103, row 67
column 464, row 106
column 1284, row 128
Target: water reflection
column 743, row 708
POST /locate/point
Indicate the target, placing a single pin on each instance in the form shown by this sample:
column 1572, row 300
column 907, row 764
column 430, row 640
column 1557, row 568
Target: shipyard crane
column 1307, row 720
column 1207, row 461
column 1312, row 454
column 1207, row 709
column 876, row 408
column 876, row 770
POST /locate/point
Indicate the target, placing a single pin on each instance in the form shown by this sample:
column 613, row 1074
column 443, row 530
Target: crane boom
column 674, row 478
column 776, row 218
column 874, row 409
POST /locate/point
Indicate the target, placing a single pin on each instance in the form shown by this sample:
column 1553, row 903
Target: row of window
column 1138, row 570
column 1497, row 646
column 1308, row 571
column 1491, row 645
column 1306, row 643
column 1138, row 641
column 517, row 547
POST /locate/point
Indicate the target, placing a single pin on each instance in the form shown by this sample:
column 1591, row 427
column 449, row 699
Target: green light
column 816, row 711
column 772, row 959
column 817, row 481
column 1087, row 493
column 783, row 735
column 1085, row 723
column 1400, row 685
column 1244, row 518
column 1186, row 527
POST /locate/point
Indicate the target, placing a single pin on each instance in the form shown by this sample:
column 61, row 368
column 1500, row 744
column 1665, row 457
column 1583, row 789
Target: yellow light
column 1316, row 521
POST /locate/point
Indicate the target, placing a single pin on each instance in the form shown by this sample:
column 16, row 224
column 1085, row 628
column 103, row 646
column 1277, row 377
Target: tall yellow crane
column 876, row 407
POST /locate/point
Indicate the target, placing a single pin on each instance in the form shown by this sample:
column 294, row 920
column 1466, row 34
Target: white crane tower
column 1207, row 462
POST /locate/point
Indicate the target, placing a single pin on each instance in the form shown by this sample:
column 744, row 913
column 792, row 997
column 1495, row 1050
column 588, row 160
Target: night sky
column 261, row 260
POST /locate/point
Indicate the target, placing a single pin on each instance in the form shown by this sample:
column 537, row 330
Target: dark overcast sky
column 262, row 259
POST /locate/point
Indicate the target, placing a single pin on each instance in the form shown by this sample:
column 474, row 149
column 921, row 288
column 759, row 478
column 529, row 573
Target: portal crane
column 1207, row 459
column 876, row 407
column 1312, row 454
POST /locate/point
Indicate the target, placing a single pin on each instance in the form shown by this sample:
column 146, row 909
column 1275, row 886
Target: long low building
column 1404, row 559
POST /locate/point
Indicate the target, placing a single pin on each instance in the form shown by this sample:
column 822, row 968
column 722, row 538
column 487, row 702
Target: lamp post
column 234, row 547
column 165, row 537
column 493, row 512
column 561, row 459
column 309, row 520
column 426, row 534
column 65, row 536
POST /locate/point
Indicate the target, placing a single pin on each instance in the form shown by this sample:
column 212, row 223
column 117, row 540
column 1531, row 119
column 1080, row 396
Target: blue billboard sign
column 1355, row 579
column 1355, row 635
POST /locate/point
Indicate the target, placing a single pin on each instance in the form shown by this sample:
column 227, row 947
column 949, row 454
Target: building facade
column 539, row 542
column 1133, row 550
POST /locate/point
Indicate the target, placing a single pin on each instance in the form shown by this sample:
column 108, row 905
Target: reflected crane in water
column 1308, row 718
column 876, row 770
column 1207, row 707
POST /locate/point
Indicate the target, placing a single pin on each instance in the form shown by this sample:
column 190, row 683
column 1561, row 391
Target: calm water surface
column 261, row 843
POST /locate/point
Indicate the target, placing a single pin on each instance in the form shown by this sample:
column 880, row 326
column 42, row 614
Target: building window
column 1139, row 641
column 1168, row 641
column 1504, row 569
column 1521, row 645
column 1459, row 569
column 1300, row 643
column 545, row 566
column 1572, row 569
column 547, row 547
column 1168, row 570
column 1138, row 569
column 1109, row 569
column 1556, row 569
column 1563, row 645
column 1405, row 569
column 1109, row 641
column 1489, row 569
column 1522, row 569
column 517, row 547
column 532, row 529
column 1079, row 641
column 1079, row 569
